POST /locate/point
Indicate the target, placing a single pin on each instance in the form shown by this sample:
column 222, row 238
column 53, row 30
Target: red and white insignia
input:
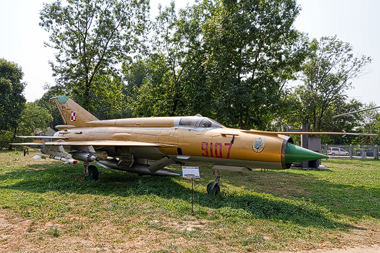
column 73, row 115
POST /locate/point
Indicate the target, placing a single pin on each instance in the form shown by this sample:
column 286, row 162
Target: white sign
column 190, row 172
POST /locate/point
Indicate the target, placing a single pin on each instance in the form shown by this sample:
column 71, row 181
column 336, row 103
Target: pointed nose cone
column 295, row 153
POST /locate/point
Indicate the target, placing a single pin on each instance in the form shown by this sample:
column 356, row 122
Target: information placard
column 190, row 172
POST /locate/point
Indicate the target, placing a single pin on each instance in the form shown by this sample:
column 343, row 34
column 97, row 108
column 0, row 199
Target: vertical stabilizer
column 71, row 112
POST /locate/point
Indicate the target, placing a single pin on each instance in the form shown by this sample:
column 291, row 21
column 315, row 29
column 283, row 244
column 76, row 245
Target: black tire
column 93, row 173
column 213, row 190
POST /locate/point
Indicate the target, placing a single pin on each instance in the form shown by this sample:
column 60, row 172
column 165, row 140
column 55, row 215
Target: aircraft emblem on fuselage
column 258, row 144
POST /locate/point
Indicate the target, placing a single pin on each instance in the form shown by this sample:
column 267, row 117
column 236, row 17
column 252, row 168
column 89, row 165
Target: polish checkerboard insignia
column 73, row 115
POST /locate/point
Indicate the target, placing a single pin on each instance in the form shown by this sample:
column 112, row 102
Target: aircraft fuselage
column 210, row 144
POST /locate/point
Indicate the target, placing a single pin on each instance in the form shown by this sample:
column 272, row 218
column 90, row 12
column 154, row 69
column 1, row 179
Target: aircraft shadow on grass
column 68, row 179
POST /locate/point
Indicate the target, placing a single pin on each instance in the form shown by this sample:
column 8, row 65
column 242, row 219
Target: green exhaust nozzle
column 295, row 153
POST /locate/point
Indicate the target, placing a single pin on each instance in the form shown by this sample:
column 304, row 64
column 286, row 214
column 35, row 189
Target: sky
column 356, row 22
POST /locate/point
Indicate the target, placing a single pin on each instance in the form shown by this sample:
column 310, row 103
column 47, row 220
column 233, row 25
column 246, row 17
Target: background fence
column 350, row 151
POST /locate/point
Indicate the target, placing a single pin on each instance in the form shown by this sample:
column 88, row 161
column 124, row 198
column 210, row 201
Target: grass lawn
column 46, row 206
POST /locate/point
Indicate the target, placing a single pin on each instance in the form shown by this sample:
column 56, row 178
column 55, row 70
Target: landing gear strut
column 90, row 172
column 213, row 188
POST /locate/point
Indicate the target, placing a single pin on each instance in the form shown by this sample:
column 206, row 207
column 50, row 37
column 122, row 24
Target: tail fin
column 71, row 112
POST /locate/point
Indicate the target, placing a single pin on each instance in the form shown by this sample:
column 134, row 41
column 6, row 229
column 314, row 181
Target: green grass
column 56, row 209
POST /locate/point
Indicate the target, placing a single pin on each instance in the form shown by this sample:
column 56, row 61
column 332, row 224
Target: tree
column 12, row 101
column 164, row 82
column 348, row 124
column 226, row 59
column 253, row 50
column 45, row 103
column 34, row 117
column 91, row 37
column 108, row 98
column 326, row 75
column 370, row 123
column 135, row 74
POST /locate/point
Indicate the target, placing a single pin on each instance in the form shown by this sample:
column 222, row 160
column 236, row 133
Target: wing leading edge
column 111, row 143
column 324, row 133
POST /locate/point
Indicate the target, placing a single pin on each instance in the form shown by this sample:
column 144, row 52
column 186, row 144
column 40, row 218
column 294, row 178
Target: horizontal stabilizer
column 63, row 127
column 42, row 137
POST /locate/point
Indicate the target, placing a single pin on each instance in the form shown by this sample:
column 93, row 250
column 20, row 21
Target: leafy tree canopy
column 44, row 102
column 34, row 118
column 369, row 123
column 226, row 59
column 327, row 74
column 91, row 38
column 12, row 101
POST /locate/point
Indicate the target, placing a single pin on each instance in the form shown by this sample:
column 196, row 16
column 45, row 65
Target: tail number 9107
column 215, row 149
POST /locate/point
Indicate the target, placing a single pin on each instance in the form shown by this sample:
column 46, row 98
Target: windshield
column 205, row 123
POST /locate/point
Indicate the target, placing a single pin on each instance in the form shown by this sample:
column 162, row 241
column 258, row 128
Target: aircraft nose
column 294, row 153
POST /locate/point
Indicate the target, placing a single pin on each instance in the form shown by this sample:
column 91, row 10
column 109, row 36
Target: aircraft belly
column 153, row 153
column 228, row 162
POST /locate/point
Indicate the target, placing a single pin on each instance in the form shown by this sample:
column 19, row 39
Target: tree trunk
column 14, row 136
column 87, row 97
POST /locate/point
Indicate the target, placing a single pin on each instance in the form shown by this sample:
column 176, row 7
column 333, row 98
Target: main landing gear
column 90, row 172
column 213, row 188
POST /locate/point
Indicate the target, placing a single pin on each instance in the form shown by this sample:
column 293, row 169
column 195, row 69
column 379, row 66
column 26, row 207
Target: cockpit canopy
column 196, row 122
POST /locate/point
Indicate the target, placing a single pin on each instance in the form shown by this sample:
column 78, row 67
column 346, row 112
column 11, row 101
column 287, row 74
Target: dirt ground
column 22, row 235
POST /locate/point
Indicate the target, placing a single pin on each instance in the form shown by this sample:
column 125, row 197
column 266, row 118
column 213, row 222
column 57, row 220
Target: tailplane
column 72, row 113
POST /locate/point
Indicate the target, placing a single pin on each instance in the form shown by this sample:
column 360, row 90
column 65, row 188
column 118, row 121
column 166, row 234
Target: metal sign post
column 192, row 195
column 191, row 172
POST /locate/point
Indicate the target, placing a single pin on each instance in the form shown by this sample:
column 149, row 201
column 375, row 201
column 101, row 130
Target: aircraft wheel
column 213, row 190
column 93, row 173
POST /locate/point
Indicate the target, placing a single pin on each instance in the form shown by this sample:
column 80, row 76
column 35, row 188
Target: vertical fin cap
column 62, row 99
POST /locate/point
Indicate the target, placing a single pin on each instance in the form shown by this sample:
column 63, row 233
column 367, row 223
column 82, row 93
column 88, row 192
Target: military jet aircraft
column 147, row 145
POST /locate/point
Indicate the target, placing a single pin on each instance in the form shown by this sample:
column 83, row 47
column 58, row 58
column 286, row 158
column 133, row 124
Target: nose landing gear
column 213, row 188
